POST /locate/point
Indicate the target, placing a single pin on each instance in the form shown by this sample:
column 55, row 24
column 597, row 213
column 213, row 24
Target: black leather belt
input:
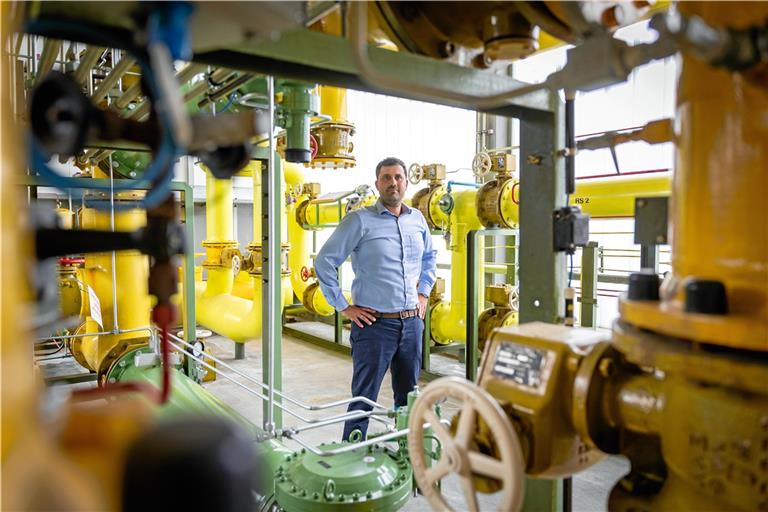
column 408, row 313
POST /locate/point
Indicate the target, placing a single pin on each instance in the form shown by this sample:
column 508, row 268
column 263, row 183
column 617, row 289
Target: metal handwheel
column 415, row 173
column 457, row 454
column 481, row 164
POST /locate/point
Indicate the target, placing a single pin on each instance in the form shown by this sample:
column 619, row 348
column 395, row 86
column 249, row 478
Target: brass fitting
column 503, row 313
column 435, row 173
column 253, row 259
column 307, row 297
column 426, row 201
column 502, row 163
column 311, row 189
column 496, row 200
column 222, row 254
column 334, row 146
column 438, row 291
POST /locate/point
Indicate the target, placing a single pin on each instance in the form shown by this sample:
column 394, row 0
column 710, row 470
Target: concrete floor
column 317, row 375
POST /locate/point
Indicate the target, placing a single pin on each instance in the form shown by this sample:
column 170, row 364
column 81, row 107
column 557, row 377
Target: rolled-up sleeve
column 428, row 265
column 335, row 251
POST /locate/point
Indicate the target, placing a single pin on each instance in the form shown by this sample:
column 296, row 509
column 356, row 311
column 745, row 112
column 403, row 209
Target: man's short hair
column 390, row 160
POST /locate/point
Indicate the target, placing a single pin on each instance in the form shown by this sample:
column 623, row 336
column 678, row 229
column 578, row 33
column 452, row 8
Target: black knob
column 225, row 161
column 191, row 464
column 643, row 286
column 60, row 115
column 706, row 296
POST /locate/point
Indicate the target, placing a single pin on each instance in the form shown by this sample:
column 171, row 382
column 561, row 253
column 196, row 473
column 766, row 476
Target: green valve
column 359, row 480
column 300, row 102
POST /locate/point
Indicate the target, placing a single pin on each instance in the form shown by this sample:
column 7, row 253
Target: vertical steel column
column 473, row 303
column 338, row 320
column 649, row 257
column 510, row 258
column 542, row 190
column 271, row 274
column 476, row 293
column 188, row 267
column 426, row 339
column 542, row 272
column 239, row 351
column 588, row 315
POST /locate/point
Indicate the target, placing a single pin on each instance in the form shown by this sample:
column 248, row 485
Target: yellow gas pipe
column 718, row 233
column 218, row 308
column 131, row 274
column 614, row 196
column 305, row 288
column 334, row 144
column 448, row 319
column 600, row 197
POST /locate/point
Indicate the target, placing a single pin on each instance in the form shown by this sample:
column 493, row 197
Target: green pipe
column 189, row 398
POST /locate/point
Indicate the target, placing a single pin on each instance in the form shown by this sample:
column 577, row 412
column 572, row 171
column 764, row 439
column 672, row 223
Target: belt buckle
column 403, row 315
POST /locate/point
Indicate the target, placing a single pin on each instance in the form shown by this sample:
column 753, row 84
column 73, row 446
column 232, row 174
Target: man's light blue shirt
column 392, row 258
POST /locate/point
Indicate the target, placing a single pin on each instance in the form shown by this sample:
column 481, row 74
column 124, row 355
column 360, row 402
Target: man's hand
column 359, row 315
column 422, row 306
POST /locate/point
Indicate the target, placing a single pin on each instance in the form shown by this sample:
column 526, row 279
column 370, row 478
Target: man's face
column 391, row 185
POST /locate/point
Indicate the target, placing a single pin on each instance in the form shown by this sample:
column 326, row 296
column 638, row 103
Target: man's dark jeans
column 374, row 347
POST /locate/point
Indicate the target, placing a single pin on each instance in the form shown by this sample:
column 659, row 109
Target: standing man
column 394, row 266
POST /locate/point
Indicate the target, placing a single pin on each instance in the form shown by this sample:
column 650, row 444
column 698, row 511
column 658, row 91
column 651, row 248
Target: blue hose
column 461, row 184
column 158, row 175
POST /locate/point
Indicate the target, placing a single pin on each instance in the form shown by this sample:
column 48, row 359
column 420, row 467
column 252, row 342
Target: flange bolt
column 643, row 286
column 706, row 297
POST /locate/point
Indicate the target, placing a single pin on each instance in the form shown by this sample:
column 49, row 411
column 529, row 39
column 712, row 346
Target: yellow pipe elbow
column 243, row 286
column 229, row 316
column 448, row 319
column 299, row 255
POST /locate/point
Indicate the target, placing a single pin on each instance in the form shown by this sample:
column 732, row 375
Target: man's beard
column 392, row 202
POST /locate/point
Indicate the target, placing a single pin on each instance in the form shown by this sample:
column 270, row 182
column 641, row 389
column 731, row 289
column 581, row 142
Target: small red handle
column 71, row 261
column 313, row 147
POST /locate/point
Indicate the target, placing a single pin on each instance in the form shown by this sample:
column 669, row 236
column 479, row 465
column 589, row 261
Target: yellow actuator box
column 531, row 369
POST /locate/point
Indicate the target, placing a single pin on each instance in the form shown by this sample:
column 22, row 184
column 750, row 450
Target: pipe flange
column 588, row 386
column 491, row 202
column 255, row 258
column 112, row 360
column 491, row 319
column 219, row 244
column 307, row 298
column 334, row 146
column 301, row 216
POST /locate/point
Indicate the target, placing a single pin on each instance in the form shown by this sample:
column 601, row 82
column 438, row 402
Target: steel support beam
column 272, row 300
column 588, row 315
column 542, row 190
column 323, row 58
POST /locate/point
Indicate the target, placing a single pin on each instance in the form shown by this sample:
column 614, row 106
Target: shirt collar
column 380, row 208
